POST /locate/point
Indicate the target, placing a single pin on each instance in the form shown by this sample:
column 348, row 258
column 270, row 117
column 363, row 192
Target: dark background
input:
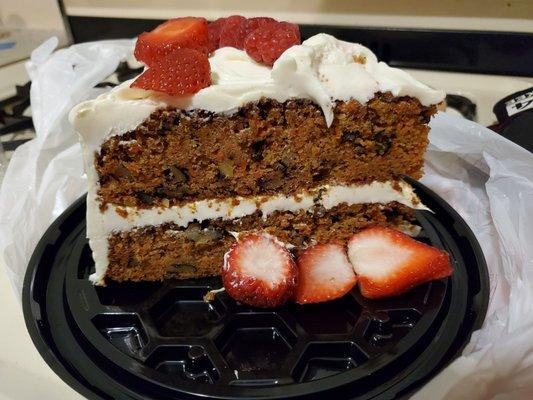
column 504, row 53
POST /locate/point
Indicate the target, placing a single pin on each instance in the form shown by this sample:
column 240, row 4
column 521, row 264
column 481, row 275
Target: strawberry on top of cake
column 177, row 51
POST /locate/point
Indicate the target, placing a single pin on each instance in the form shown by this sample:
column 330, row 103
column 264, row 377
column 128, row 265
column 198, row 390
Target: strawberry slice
column 183, row 72
column 233, row 32
column 266, row 43
column 324, row 273
column 389, row 262
column 177, row 33
column 213, row 33
column 259, row 271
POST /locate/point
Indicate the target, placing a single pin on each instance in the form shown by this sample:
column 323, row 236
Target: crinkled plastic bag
column 486, row 178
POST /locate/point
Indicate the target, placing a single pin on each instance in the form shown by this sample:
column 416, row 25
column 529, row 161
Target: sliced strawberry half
column 259, row 271
column 213, row 32
column 182, row 72
column 177, row 33
column 233, row 32
column 324, row 273
column 266, row 43
column 389, row 262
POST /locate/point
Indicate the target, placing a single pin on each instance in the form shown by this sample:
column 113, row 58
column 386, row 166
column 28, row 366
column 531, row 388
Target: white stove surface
column 483, row 90
column 24, row 374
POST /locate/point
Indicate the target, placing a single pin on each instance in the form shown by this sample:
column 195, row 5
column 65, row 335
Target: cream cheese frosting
column 323, row 69
column 101, row 224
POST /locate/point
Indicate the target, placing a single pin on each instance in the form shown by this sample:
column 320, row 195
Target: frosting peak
column 326, row 69
column 322, row 68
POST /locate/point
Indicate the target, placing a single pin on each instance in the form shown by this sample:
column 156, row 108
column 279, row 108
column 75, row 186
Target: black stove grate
column 16, row 124
column 12, row 115
column 123, row 73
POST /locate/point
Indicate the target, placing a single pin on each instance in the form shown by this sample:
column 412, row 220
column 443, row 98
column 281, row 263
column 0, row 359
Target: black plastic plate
column 162, row 341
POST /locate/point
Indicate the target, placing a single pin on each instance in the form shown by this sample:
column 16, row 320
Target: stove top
column 16, row 124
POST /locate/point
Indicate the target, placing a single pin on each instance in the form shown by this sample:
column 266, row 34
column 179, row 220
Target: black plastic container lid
column 162, row 341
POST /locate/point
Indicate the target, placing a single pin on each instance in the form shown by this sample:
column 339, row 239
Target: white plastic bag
column 486, row 178
column 46, row 174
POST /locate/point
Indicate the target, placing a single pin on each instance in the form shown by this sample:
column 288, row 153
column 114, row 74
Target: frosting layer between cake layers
column 116, row 218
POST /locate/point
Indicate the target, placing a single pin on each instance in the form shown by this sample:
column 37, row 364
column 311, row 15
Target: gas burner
column 16, row 126
column 12, row 118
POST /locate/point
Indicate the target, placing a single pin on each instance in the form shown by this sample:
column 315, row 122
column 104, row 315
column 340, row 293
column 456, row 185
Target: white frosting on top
column 322, row 69
column 101, row 224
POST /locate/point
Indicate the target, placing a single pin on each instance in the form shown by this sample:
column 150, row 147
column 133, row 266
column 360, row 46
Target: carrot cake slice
column 236, row 127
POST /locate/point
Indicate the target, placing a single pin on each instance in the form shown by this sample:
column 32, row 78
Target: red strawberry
column 259, row 271
column 233, row 32
column 389, row 263
column 324, row 273
column 266, row 43
column 251, row 24
column 292, row 27
column 177, row 33
column 213, row 32
column 185, row 71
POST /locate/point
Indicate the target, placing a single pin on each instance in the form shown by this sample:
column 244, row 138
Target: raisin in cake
column 310, row 150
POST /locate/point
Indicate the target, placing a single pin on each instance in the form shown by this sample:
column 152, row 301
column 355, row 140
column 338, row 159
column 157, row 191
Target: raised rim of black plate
column 91, row 367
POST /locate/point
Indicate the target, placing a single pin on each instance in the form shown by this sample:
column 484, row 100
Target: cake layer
column 172, row 251
column 266, row 148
